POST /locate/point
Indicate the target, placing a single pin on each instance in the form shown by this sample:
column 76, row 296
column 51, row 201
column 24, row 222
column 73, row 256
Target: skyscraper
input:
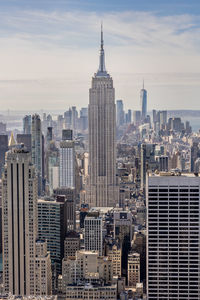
column 67, row 160
column 173, row 244
column 93, row 234
column 194, row 154
column 147, row 161
column 120, row 112
column 102, row 189
column 143, row 102
column 51, row 227
column 27, row 124
column 37, row 149
column 19, row 201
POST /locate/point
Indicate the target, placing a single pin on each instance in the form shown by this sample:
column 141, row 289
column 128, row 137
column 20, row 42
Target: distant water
column 194, row 122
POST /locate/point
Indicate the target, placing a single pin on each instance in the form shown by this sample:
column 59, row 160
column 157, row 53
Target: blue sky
column 160, row 6
column 49, row 51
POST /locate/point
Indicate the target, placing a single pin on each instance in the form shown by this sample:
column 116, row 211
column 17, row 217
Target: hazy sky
column 49, row 50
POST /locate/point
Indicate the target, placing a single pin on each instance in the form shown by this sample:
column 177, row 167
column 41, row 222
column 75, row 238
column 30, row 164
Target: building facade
column 19, row 200
column 67, row 161
column 102, row 189
column 143, row 102
column 37, row 149
column 43, row 274
column 93, row 238
column 173, row 231
column 133, row 269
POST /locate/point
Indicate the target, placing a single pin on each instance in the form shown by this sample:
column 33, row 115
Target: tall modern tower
column 67, row 160
column 120, row 112
column 19, row 202
column 102, row 189
column 37, row 149
column 173, row 231
column 143, row 102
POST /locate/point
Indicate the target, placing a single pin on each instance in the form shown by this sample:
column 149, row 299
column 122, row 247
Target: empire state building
column 102, row 189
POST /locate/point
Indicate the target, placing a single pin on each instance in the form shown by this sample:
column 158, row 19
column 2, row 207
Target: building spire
column 102, row 69
column 101, row 35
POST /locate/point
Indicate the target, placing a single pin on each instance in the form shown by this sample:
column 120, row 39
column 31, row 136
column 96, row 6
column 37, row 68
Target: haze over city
column 49, row 52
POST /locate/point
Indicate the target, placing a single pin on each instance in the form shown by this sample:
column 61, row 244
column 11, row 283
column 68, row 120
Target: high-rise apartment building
column 148, row 162
column 19, row 201
column 43, row 275
column 71, row 244
column 27, row 124
column 136, row 117
column 102, row 189
column 119, row 112
column 173, row 237
column 93, row 238
column 83, row 118
column 37, row 149
column 67, row 160
column 51, row 227
column 123, row 232
column 128, row 116
column 195, row 153
column 143, row 102
column 68, row 197
column 133, row 269
column 114, row 253
column 74, row 118
column 52, row 167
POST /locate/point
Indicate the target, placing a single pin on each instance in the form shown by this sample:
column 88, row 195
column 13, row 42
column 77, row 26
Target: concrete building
column 195, row 153
column 173, row 231
column 67, row 160
column 114, row 253
column 123, row 232
column 37, row 149
column 119, row 113
column 83, row 119
column 133, row 269
column 93, row 237
column 102, row 189
column 27, row 124
column 51, row 227
column 137, row 117
column 71, row 244
column 19, row 201
column 67, row 196
column 52, row 167
column 43, row 275
column 147, row 161
column 143, row 102
column 87, row 266
column 89, row 291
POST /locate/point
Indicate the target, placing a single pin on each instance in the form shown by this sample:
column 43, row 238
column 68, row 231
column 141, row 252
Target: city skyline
column 47, row 50
column 100, row 163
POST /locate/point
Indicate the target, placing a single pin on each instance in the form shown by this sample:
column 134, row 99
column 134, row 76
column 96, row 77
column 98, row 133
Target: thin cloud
column 58, row 53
